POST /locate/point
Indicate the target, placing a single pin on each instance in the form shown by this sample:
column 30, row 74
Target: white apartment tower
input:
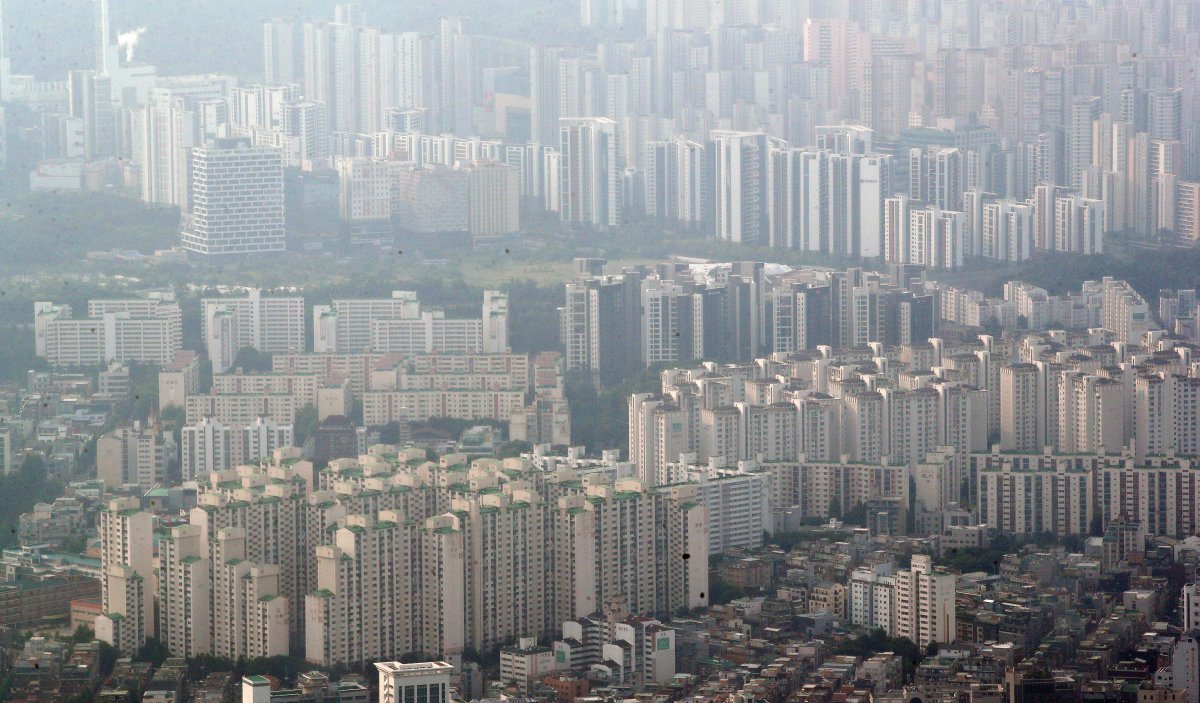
column 740, row 188
column 871, row 597
column 365, row 190
column 1190, row 605
column 1022, row 411
column 589, row 180
column 1124, row 312
column 249, row 616
column 184, row 592
column 145, row 330
column 126, row 564
column 362, row 608
column 924, row 603
column 1028, row 498
column 493, row 197
column 267, row 520
column 303, row 123
column 206, row 447
column 168, row 133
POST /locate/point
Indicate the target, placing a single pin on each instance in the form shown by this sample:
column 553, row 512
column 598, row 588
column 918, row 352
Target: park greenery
column 599, row 418
column 20, row 491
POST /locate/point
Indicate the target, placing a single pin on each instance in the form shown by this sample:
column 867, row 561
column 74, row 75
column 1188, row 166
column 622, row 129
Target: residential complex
column 337, row 566
column 145, row 330
column 269, row 324
column 858, row 482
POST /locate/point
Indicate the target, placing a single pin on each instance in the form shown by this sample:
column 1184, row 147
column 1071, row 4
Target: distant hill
column 49, row 37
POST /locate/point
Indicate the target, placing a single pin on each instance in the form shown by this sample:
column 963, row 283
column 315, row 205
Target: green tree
column 282, row 667
column 539, row 312
column 172, row 417
column 108, row 658
column 600, row 418
column 83, row 633
column 856, row 515
column 513, row 449
column 389, row 433
column 307, row 422
column 154, row 651
column 20, row 491
column 835, row 508
column 721, row 591
column 201, row 665
column 252, row 360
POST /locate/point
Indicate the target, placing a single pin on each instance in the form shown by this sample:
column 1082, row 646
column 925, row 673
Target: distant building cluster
column 614, row 323
column 398, row 363
column 920, row 135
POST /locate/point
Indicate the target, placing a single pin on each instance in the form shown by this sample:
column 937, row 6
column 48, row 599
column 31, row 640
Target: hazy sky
column 49, row 37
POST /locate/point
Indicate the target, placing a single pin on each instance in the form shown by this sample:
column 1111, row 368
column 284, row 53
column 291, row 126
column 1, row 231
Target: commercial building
column 427, row 682
column 29, row 603
column 236, row 199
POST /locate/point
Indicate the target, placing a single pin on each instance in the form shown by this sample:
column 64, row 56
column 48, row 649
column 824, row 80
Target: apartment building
column 268, row 323
column 143, row 330
column 398, row 325
column 211, row 445
column 924, row 603
column 126, row 565
column 130, row 455
column 179, row 379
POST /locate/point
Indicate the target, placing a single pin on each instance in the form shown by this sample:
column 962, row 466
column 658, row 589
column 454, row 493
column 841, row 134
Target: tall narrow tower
column 5, row 66
column 107, row 58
